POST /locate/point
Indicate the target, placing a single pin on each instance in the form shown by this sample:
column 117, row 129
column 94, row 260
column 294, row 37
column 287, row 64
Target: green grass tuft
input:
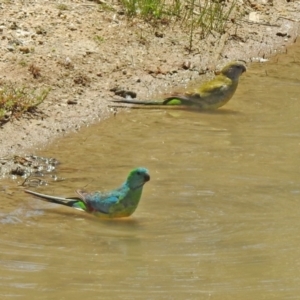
column 207, row 15
column 62, row 6
column 16, row 101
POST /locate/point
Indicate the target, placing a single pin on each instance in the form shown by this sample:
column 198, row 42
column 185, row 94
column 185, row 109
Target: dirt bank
column 83, row 51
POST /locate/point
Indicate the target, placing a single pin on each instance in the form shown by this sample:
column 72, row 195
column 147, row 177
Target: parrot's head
column 234, row 70
column 137, row 178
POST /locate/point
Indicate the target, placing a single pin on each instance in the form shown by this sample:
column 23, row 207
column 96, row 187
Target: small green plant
column 212, row 16
column 62, row 6
column 208, row 15
column 105, row 6
column 23, row 63
column 99, row 39
column 147, row 9
column 16, row 101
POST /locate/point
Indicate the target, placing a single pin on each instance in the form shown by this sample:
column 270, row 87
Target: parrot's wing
column 215, row 86
column 100, row 202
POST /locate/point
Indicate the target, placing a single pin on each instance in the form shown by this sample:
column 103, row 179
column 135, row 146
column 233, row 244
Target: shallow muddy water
column 220, row 218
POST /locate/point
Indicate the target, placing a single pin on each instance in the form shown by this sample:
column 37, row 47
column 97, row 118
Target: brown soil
column 83, row 52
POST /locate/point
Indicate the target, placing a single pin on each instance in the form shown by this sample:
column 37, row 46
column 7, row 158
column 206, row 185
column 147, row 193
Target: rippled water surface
column 220, row 218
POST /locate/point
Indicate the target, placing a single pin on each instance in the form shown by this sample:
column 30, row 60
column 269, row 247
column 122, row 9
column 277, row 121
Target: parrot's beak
column 147, row 177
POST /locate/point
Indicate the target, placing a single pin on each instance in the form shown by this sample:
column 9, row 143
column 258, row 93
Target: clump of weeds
column 15, row 101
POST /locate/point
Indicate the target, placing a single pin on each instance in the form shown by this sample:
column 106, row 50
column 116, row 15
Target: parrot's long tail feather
column 53, row 199
column 168, row 107
column 139, row 102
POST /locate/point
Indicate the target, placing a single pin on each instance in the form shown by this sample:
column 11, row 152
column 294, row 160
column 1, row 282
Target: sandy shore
column 85, row 51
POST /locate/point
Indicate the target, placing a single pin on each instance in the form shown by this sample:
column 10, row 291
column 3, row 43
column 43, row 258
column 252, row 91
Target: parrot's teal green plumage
column 118, row 203
column 210, row 95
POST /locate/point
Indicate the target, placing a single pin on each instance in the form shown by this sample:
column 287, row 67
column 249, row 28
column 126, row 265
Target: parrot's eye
column 139, row 173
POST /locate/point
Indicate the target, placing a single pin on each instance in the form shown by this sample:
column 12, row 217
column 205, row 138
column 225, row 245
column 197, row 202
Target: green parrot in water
column 210, row 95
column 118, row 203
